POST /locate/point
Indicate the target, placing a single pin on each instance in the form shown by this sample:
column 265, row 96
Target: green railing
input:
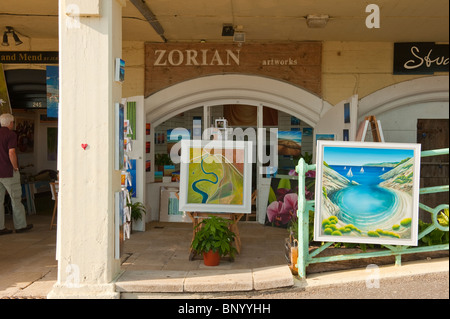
column 304, row 206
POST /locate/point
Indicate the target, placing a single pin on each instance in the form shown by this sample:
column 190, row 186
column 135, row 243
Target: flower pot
column 211, row 258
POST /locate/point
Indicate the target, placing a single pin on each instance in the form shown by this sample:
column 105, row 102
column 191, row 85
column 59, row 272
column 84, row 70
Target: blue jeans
column 14, row 188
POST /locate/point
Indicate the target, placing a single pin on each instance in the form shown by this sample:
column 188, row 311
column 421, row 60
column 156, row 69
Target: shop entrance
column 246, row 103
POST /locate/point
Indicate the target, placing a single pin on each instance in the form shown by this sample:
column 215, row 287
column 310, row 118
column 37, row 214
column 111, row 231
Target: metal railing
column 306, row 258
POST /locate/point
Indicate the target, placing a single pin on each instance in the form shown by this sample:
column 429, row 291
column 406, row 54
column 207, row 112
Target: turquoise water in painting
column 366, row 204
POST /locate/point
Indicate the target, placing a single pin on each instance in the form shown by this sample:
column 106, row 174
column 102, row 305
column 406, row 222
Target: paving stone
column 219, row 280
column 151, row 281
column 272, row 277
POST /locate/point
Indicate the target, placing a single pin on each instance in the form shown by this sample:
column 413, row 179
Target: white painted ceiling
column 262, row 20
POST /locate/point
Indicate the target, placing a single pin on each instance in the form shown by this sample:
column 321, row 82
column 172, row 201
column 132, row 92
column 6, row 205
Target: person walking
column 10, row 177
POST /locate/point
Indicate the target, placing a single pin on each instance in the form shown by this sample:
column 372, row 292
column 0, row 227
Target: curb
column 374, row 272
column 152, row 281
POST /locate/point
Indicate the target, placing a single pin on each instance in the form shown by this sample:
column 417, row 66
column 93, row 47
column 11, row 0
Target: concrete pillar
column 90, row 39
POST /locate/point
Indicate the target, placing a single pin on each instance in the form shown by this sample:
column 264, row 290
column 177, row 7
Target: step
column 161, row 281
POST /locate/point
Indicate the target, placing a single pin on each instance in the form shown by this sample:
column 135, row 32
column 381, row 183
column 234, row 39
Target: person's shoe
column 21, row 230
column 5, row 231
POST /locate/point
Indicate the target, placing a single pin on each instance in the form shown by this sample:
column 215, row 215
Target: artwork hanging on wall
column 289, row 143
column 215, row 176
column 52, row 143
column 120, row 138
column 25, row 135
column 52, row 81
column 367, row 192
column 119, row 75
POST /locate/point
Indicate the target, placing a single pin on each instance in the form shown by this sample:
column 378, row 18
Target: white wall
column 399, row 125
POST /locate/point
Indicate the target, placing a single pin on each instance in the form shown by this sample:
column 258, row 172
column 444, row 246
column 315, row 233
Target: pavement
column 155, row 264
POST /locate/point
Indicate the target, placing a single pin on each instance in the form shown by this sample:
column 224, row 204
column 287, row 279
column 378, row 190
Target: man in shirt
column 10, row 177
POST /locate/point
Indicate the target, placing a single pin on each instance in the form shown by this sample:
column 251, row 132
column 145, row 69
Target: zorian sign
column 298, row 63
column 420, row 58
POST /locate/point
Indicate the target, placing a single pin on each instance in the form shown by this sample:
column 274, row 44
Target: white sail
column 362, row 170
column 350, row 174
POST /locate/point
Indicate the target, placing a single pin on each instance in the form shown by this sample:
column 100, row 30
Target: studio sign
column 420, row 58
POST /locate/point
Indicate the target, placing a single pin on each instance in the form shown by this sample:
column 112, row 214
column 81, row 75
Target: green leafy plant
column 137, row 210
column 163, row 159
column 443, row 218
column 214, row 234
column 437, row 236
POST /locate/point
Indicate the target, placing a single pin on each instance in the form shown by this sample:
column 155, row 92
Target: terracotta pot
column 211, row 258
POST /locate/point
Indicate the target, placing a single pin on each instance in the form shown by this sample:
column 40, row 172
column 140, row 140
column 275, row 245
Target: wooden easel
column 375, row 128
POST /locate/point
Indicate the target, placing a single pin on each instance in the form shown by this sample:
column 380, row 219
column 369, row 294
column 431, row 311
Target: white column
column 90, row 38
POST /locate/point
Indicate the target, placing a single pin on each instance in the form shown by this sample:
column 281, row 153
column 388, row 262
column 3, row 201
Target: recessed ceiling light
column 317, row 20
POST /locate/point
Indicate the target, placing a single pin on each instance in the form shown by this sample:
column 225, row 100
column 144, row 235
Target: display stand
column 375, row 127
column 198, row 217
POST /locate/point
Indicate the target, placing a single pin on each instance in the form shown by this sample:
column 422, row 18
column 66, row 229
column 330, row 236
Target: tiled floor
column 165, row 246
column 28, row 259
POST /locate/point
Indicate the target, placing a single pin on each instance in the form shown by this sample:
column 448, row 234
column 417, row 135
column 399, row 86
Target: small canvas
column 119, row 75
column 367, row 192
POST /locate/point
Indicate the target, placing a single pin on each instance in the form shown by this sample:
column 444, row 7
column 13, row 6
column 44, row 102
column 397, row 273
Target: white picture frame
column 367, row 192
column 204, row 162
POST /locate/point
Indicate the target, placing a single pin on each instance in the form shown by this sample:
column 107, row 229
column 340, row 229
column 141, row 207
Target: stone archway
column 427, row 89
column 235, row 89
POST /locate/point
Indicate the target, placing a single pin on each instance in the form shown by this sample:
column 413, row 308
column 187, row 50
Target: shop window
column 294, row 139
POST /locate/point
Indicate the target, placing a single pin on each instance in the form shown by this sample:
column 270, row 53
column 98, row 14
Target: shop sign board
column 420, row 58
column 367, row 192
column 215, row 176
column 170, row 63
column 33, row 57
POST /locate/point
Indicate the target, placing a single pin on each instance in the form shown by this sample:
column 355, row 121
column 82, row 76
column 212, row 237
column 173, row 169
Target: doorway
column 433, row 134
column 231, row 89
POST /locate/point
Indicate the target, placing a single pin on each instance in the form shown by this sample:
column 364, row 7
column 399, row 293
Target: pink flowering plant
column 283, row 200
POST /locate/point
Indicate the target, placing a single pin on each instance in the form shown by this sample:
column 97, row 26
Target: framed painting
column 215, row 176
column 367, row 192
column 119, row 136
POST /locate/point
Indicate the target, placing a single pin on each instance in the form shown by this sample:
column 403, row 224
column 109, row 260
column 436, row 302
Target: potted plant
column 161, row 160
column 137, row 211
column 214, row 239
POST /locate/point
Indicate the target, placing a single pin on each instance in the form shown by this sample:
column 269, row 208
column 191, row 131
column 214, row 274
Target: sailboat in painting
column 350, row 174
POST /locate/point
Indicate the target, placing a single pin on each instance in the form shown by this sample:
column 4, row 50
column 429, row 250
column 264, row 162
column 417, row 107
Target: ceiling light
column 5, row 39
column 227, row 30
column 239, row 36
column 317, row 20
column 15, row 36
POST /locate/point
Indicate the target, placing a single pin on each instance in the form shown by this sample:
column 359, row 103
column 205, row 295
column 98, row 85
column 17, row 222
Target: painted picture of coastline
column 289, row 143
column 367, row 192
column 215, row 176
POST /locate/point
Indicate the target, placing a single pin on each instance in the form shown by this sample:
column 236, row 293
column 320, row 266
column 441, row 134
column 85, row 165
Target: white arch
column 235, row 89
column 421, row 90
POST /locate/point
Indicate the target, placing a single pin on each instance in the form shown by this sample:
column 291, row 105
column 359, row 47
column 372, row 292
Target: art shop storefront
column 240, row 91
column 256, row 89
column 318, row 89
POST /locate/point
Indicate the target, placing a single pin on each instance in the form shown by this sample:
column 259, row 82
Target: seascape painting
column 216, row 177
column 367, row 192
column 289, row 143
